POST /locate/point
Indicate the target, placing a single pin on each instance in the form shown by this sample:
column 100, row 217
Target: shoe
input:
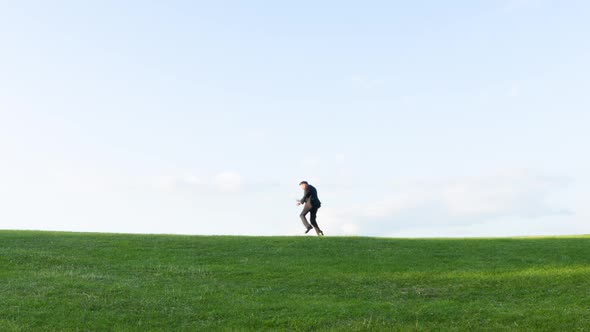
column 319, row 232
column 308, row 229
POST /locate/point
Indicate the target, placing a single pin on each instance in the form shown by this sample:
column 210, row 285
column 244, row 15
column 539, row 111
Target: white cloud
column 309, row 162
column 515, row 5
column 229, row 182
column 511, row 194
column 515, row 89
column 256, row 134
column 453, row 203
column 403, row 200
column 349, row 229
column 340, row 157
column 543, row 226
column 174, row 183
column 223, row 182
column 365, row 83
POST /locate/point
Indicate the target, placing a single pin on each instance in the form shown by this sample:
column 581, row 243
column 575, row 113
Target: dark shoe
column 319, row 232
column 308, row 229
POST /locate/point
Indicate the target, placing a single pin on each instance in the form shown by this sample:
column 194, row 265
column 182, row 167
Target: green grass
column 98, row 282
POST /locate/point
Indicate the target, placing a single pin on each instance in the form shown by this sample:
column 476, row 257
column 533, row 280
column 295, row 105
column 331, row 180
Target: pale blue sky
column 422, row 118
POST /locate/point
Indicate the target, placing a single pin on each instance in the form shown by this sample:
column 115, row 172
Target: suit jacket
column 311, row 194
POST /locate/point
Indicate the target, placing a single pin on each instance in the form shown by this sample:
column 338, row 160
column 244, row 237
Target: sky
column 411, row 118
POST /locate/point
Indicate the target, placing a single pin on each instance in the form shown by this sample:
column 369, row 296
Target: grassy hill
column 98, row 282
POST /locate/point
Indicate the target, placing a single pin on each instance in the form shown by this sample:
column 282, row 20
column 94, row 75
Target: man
column 311, row 203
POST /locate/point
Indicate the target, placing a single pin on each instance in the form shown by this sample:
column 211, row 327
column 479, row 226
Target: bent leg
column 304, row 212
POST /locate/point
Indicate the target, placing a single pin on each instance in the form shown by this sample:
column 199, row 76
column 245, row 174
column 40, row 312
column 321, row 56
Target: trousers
column 313, row 211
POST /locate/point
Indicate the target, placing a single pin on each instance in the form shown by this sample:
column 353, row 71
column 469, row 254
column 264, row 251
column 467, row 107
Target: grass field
column 100, row 282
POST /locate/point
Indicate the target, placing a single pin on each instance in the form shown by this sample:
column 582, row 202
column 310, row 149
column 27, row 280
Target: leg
column 313, row 215
column 304, row 212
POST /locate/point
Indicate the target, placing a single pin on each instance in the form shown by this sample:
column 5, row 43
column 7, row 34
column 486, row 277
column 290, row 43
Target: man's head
column 303, row 185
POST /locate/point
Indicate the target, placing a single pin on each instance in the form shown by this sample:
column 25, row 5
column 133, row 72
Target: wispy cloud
column 515, row 89
column 365, row 82
column 229, row 182
column 454, row 202
column 223, row 182
column 514, row 194
column 515, row 5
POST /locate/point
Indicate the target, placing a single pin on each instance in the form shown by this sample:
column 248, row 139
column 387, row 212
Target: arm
column 306, row 195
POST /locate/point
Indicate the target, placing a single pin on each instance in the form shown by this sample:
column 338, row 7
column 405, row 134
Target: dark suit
column 311, row 204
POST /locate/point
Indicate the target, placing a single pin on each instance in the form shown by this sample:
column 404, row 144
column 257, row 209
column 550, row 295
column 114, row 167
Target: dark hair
column 303, row 182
